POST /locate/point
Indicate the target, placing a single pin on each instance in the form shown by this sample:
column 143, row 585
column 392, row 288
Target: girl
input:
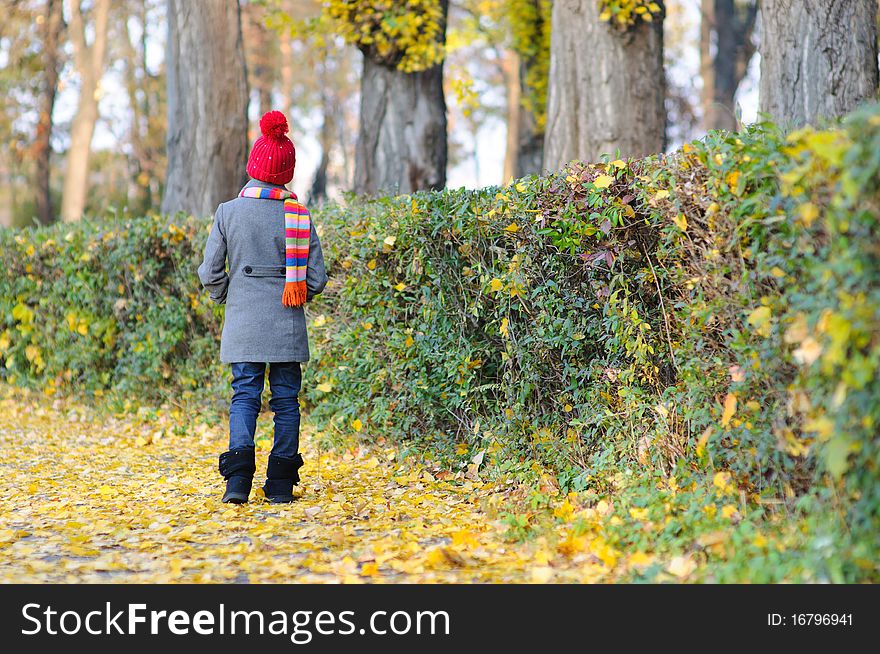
column 275, row 267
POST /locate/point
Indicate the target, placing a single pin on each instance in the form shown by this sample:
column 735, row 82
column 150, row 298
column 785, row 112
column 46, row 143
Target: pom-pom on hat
column 273, row 156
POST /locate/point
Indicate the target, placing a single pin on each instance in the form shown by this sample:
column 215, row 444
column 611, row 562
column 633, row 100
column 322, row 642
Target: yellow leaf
column 325, row 387
column 728, row 511
column 721, row 481
column 732, row 179
column 564, row 511
column 662, row 194
column 641, row 559
column 357, row 425
column 760, row 319
column 409, row 341
column 618, row 163
column 369, row 570
column 521, row 187
column 777, row 272
column 436, row 557
column 31, row 352
column 808, row 352
column 496, row 284
column 729, row 409
column 638, row 514
column 603, row 181
column 808, row 212
column 681, row 222
column 400, row 287
column 371, row 264
column 512, row 228
column 542, row 574
column 464, row 538
column 822, row 426
column 503, row 329
column 681, row 566
column 390, row 241
column 106, row 490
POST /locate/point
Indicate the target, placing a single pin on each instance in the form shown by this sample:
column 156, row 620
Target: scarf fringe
column 297, row 230
column 295, row 294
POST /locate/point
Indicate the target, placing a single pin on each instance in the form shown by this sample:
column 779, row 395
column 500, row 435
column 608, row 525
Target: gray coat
column 249, row 233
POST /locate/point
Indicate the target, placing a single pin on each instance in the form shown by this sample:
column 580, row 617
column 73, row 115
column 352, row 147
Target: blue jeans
column 285, row 380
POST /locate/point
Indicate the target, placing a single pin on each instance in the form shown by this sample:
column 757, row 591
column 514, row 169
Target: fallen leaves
column 108, row 510
column 681, row 567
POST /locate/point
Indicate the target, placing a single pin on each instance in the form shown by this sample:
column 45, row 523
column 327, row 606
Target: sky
column 490, row 138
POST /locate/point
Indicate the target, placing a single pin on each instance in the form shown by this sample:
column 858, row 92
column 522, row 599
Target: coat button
column 248, row 270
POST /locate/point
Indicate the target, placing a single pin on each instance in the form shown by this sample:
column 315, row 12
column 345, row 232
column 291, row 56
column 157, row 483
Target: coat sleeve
column 316, row 275
column 212, row 272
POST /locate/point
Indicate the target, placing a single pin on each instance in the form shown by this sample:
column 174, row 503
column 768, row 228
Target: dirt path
column 88, row 497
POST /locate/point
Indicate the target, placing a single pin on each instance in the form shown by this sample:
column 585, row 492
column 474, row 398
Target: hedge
column 717, row 309
column 712, row 312
column 108, row 303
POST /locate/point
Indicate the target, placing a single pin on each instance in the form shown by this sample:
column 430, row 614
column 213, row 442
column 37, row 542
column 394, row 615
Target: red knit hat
column 273, row 156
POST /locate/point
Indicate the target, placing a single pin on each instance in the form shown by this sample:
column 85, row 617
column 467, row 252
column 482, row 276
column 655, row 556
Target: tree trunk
column 89, row 61
column 52, row 25
column 530, row 151
column 207, row 106
column 318, row 192
column 402, row 144
column 726, row 48
column 525, row 143
column 607, row 87
column 818, row 58
column 510, row 66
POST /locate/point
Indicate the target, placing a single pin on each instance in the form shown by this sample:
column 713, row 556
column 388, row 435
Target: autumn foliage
column 693, row 336
column 712, row 310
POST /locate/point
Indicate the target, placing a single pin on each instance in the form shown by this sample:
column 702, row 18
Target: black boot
column 238, row 467
column 281, row 475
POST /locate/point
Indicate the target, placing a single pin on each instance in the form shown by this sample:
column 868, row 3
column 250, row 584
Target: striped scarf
column 297, row 227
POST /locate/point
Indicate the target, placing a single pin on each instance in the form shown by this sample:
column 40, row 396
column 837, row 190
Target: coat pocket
column 264, row 271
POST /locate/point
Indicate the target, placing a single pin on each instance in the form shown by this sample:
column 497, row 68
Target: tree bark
column 607, row 87
column 402, row 144
column 726, row 48
column 89, row 62
column 318, row 191
column 530, row 151
column 53, row 24
column 510, row 67
column 525, row 143
column 818, row 58
column 207, row 105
